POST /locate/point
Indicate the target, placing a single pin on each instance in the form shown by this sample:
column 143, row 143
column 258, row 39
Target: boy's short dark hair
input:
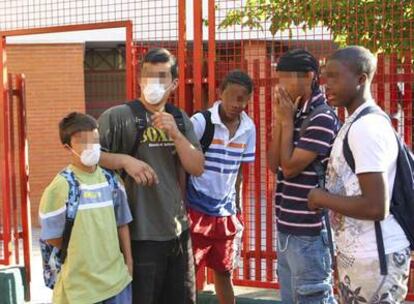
column 237, row 77
column 73, row 123
column 359, row 59
column 161, row 55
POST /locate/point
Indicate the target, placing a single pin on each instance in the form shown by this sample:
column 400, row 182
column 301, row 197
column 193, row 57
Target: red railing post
column 129, row 67
column 24, row 176
column 13, row 177
column 211, row 52
column 257, row 173
column 198, row 55
column 5, row 152
column 182, row 50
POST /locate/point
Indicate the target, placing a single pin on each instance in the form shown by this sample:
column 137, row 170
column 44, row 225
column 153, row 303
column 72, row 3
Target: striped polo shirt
column 214, row 192
column 292, row 212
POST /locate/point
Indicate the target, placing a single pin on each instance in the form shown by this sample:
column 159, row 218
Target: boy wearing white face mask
column 98, row 264
column 153, row 131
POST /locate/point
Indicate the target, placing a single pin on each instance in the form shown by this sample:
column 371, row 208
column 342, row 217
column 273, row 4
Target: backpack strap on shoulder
column 71, row 210
column 137, row 108
column 113, row 183
column 73, row 195
column 110, row 178
column 349, row 158
column 177, row 114
column 208, row 134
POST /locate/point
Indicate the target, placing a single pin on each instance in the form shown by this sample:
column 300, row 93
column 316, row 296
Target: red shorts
column 216, row 240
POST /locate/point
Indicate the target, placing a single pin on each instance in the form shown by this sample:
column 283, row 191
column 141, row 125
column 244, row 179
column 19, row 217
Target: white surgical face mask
column 90, row 156
column 154, row 92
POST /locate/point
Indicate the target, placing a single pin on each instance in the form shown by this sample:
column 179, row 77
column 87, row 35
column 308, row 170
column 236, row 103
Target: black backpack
column 208, row 135
column 139, row 112
column 402, row 200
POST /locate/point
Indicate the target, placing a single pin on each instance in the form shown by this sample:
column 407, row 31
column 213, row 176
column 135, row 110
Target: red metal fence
column 207, row 54
column 15, row 225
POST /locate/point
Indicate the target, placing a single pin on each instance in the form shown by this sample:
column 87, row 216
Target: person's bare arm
column 372, row 204
column 273, row 155
column 191, row 158
column 125, row 244
column 55, row 242
column 292, row 160
column 239, row 188
column 140, row 171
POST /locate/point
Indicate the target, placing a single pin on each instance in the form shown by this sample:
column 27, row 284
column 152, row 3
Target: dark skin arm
column 55, row 242
column 273, row 155
column 292, row 160
column 372, row 204
column 239, row 181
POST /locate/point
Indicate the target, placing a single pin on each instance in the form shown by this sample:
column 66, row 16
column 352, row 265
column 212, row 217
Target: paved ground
column 42, row 295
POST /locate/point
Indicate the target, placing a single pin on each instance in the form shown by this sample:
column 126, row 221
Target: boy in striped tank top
column 213, row 198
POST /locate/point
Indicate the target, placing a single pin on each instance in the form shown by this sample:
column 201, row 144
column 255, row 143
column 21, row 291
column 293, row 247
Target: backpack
column 208, row 134
column 139, row 112
column 53, row 257
column 320, row 170
column 402, row 199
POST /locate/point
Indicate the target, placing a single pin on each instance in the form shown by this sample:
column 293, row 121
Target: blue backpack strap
column 71, row 210
column 110, row 178
column 73, row 195
column 113, row 183
column 349, row 157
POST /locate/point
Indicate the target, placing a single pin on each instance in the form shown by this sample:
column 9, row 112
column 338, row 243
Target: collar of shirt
column 245, row 122
column 317, row 98
column 366, row 104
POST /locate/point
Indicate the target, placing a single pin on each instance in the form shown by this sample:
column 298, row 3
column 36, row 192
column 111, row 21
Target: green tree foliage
column 380, row 25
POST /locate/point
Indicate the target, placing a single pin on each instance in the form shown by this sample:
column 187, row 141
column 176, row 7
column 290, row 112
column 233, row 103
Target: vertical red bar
column 257, row 173
column 269, row 200
column 130, row 81
column 13, row 178
column 5, row 149
column 394, row 99
column 407, row 101
column 247, row 225
column 211, row 52
column 182, row 49
column 380, row 80
column 24, row 177
column 198, row 55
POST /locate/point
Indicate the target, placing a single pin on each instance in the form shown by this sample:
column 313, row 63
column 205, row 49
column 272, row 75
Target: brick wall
column 54, row 87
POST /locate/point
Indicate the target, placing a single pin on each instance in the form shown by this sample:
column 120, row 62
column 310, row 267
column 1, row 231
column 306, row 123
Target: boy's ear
column 363, row 79
column 67, row 147
column 174, row 84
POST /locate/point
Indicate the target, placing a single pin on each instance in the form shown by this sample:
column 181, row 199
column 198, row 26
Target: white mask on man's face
column 154, row 90
column 154, row 93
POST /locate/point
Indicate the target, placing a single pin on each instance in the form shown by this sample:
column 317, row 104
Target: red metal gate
column 15, row 235
column 203, row 62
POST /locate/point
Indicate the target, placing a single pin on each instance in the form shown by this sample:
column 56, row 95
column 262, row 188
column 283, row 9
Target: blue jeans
column 124, row 297
column 304, row 269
